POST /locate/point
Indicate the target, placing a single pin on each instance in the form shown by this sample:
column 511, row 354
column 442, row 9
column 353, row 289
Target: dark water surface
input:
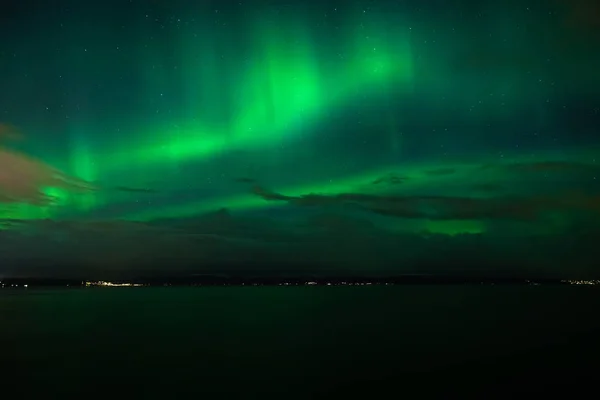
column 294, row 339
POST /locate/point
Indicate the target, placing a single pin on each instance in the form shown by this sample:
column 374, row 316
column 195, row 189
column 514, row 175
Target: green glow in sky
column 321, row 99
column 284, row 90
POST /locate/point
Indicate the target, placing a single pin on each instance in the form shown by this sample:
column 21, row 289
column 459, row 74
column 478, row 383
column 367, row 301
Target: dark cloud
column 445, row 207
column 9, row 132
column 245, row 180
column 528, row 206
column 323, row 242
column 270, row 196
column 583, row 15
column 390, row 179
column 23, row 179
column 361, row 233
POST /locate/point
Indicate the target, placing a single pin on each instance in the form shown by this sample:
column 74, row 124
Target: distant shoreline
column 17, row 283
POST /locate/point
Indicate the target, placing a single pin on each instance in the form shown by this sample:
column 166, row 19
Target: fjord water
column 292, row 340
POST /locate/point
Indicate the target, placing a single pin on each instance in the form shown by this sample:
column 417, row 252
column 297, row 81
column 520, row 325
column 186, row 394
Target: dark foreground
column 300, row 342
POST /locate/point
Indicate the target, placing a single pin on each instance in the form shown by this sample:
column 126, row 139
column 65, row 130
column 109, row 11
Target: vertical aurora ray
column 83, row 166
column 288, row 81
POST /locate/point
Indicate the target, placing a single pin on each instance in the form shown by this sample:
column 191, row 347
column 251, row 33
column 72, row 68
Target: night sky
column 332, row 136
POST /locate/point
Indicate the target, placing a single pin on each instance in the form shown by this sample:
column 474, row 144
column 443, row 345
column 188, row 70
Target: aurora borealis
column 338, row 131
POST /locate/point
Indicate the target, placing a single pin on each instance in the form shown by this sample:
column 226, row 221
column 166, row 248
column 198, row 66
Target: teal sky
column 173, row 110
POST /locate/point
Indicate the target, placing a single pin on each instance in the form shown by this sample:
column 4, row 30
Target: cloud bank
column 533, row 232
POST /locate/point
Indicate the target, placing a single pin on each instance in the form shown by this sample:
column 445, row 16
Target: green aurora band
column 236, row 95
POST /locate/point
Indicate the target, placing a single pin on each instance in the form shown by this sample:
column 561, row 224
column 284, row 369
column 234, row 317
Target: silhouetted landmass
column 216, row 280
